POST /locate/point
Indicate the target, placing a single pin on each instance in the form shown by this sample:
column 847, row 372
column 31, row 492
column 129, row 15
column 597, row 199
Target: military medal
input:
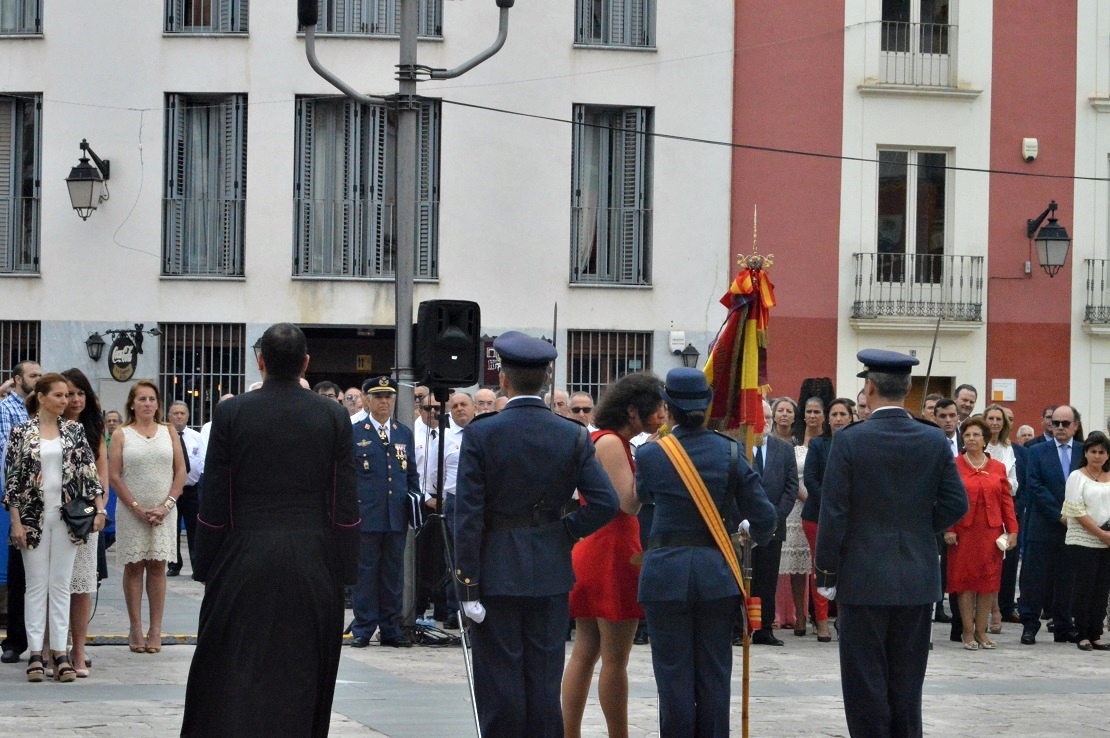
column 366, row 464
column 399, row 452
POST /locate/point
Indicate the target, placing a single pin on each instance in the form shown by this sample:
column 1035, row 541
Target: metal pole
column 406, row 207
column 929, row 371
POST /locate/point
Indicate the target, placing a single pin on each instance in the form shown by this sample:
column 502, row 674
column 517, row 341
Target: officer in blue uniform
column 386, row 474
column 890, row 487
column 517, row 471
column 688, row 591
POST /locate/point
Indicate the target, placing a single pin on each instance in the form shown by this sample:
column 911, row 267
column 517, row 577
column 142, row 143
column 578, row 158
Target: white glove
column 745, row 527
column 829, row 593
column 474, row 610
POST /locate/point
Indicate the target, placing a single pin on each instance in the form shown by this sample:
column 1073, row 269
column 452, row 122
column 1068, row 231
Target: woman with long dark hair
column 1087, row 510
column 85, row 409
column 48, row 463
column 603, row 601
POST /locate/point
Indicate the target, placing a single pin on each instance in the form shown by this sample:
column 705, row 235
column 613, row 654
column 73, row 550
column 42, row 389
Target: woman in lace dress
column 795, row 551
column 783, row 415
column 147, row 470
column 85, row 409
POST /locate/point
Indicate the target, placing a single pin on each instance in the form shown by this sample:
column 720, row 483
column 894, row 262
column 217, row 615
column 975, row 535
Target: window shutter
column 638, row 23
column 233, row 185
column 302, row 187
column 618, row 21
column 7, row 200
column 351, row 257
column 173, row 222
column 242, row 17
column 427, row 189
column 381, row 213
column 578, row 218
column 631, row 198
column 175, row 16
column 583, row 13
column 31, row 250
column 322, row 14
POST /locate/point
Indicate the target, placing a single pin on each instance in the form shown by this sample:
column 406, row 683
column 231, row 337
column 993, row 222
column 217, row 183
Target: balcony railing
column 19, row 235
column 918, row 286
column 918, row 54
column 1098, row 296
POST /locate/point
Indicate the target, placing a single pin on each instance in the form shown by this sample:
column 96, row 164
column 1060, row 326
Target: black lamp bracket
column 1033, row 224
column 103, row 165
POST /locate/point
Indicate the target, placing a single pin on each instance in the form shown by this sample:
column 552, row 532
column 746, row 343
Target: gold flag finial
column 756, row 260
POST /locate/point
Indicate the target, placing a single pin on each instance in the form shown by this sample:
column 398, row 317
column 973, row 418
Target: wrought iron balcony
column 918, row 286
column 918, row 54
column 1098, row 297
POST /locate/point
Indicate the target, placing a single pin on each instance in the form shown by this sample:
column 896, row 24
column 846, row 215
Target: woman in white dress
column 147, row 471
column 85, row 409
column 795, row 560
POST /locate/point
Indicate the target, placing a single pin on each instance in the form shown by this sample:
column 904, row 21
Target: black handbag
column 79, row 515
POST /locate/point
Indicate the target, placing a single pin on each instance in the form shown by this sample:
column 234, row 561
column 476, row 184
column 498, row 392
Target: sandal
column 36, row 669
column 63, row 670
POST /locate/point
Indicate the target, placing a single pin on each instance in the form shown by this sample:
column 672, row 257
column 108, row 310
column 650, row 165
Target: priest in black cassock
column 277, row 538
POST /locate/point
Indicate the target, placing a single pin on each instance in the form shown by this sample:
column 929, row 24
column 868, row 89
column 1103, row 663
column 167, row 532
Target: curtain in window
column 207, row 16
column 20, row 16
column 20, row 126
column 376, row 17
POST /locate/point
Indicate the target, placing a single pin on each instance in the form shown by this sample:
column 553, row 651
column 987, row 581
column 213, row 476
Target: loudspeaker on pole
column 448, row 345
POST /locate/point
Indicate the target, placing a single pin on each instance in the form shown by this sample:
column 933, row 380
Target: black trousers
column 1047, row 578
column 1092, row 588
column 188, row 504
column 883, row 655
column 765, row 579
column 17, row 590
column 1007, row 604
column 519, row 650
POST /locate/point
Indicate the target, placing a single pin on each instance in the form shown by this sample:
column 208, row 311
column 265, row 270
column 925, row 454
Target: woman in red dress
column 607, row 564
column 974, row 558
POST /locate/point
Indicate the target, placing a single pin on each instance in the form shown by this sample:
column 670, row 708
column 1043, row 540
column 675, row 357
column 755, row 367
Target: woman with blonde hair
column 147, row 471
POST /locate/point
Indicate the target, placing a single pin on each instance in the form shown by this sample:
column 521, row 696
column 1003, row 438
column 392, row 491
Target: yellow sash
column 696, row 486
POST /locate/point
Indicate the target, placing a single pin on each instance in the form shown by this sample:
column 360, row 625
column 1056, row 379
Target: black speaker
column 307, row 13
column 448, row 344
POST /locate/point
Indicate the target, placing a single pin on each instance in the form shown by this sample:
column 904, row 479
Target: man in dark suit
column 1045, row 565
column 778, row 469
column 891, row 485
column 517, row 470
column 946, row 413
column 276, row 539
column 386, row 473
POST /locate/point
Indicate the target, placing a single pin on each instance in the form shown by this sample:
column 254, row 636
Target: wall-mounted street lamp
column 95, row 346
column 1052, row 241
column 87, row 188
column 690, row 356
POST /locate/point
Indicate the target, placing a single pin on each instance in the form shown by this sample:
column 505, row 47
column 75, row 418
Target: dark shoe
column 1085, row 646
column 398, row 642
column 763, row 638
column 956, row 637
column 800, row 631
column 641, row 639
column 1011, row 618
column 1051, row 627
column 942, row 617
column 360, row 641
column 1028, row 638
column 1071, row 636
column 9, row 657
column 173, row 572
column 451, row 623
column 824, row 639
column 1099, row 646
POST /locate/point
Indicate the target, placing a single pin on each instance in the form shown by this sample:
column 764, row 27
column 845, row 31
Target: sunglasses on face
column 581, row 410
column 350, row 398
column 1062, row 423
column 431, row 408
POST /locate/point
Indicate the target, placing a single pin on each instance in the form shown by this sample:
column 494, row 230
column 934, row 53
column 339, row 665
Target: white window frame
column 915, row 269
column 611, row 196
column 345, row 220
column 204, row 213
column 20, row 183
column 615, row 23
column 376, row 18
column 225, row 16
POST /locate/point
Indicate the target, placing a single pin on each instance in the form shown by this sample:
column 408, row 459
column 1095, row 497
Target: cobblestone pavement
column 1044, row 690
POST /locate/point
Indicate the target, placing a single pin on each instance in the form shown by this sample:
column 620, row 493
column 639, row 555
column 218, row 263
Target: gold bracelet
column 134, row 503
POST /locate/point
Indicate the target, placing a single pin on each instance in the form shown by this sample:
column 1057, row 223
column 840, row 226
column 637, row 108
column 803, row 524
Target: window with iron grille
column 344, row 189
column 20, row 16
column 19, row 341
column 20, row 159
column 595, row 359
column 204, row 203
column 207, row 16
column 199, row 363
column 615, row 22
column 611, row 196
column 376, row 17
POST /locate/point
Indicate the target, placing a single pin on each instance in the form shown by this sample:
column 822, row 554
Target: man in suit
column 1045, row 565
column 946, row 413
column 891, row 485
column 277, row 537
column 517, row 471
column 1046, row 428
column 778, row 470
column 386, row 473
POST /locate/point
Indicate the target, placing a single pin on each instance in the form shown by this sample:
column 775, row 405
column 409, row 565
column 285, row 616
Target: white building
column 244, row 192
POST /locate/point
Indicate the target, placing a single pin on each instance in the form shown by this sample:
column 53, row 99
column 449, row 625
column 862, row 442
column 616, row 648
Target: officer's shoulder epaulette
column 483, row 416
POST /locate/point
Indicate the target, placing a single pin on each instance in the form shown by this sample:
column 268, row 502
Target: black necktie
column 433, row 434
column 185, row 451
column 759, row 460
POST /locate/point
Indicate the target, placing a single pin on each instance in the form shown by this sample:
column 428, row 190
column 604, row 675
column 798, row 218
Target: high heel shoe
column 135, row 648
column 984, row 642
column 36, row 669
column 971, row 645
column 63, row 670
column 157, row 641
